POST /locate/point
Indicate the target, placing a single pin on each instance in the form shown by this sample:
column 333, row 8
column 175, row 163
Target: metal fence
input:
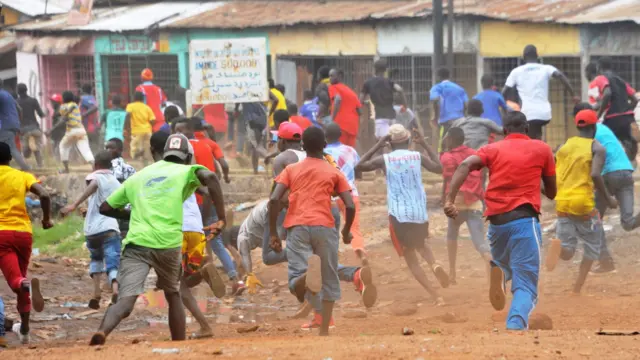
column 122, row 73
column 64, row 73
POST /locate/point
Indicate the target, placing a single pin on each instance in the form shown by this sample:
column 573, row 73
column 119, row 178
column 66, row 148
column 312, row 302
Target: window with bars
column 122, row 73
column 67, row 73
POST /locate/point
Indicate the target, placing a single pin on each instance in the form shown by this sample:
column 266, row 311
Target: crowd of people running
column 170, row 215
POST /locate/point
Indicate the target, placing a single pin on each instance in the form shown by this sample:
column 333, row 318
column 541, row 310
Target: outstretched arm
column 431, row 161
column 368, row 162
column 210, row 180
column 567, row 85
column 92, row 188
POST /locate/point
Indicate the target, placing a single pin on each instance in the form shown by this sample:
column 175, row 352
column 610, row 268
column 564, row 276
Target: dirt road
column 466, row 328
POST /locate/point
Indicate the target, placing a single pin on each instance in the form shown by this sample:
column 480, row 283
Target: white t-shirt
column 191, row 217
column 532, row 82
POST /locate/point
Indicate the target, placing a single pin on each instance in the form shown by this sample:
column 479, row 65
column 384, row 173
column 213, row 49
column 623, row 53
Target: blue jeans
column 620, row 185
column 105, row 249
column 217, row 246
column 515, row 248
column 1, row 317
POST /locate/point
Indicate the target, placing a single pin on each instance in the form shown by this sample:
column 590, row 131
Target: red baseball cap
column 57, row 98
column 289, row 131
column 586, row 117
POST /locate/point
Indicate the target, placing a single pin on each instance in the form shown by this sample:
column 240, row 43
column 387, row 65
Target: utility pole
column 438, row 34
column 450, row 60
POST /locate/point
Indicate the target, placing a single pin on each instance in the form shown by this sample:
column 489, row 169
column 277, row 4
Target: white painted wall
column 416, row 37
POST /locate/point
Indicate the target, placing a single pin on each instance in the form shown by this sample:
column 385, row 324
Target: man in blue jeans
column 618, row 178
column 512, row 208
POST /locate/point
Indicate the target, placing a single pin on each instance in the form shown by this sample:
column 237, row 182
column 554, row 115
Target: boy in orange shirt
column 312, row 240
column 15, row 236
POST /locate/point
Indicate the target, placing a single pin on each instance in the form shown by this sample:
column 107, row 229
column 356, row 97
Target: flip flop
column 200, row 335
column 212, row 277
column 441, row 275
column 36, row 296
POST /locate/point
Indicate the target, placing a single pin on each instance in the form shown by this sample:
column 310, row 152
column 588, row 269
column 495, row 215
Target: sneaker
column 214, row 280
column 441, row 275
column 497, row 294
column 604, row 268
column 313, row 279
column 316, row 322
column 363, row 280
column 37, row 301
column 237, row 288
column 553, row 254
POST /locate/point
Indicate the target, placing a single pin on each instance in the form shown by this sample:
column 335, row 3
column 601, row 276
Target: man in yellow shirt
column 15, row 236
column 140, row 118
column 277, row 101
column 579, row 164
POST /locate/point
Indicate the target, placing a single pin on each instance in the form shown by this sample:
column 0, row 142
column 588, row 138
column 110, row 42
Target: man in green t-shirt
column 113, row 120
column 154, row 240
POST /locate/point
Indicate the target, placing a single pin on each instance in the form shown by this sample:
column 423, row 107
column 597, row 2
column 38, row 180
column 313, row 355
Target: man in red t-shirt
column 468, row 201
column 312, row 240
column 295, row 118
column 346, row 108
column 154, row 97
column 516, row 165
column 216, row 151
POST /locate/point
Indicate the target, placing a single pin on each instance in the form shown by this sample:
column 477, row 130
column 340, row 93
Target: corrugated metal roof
column 36, row 7
column 254, row 14
column 123, row 18
column 612, row 11
column 259, row 14
column 48, row 45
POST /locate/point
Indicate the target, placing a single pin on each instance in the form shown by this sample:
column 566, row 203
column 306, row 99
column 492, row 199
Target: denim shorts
column 588, row 229
column 104, row 251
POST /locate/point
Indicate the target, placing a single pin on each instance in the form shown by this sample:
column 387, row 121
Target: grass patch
column 65, row 238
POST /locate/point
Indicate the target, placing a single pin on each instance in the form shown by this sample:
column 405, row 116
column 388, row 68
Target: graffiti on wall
column 131, row 44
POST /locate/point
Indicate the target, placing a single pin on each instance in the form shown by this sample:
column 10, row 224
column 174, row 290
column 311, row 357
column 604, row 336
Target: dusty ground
column 466, row 328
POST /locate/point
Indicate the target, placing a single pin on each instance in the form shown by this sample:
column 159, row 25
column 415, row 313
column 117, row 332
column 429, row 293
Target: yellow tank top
column 573, row 177
column 282, row 105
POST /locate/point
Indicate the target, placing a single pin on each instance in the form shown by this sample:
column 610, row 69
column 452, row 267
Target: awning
column 7, row 43
column 48, row 45
column 8, row 74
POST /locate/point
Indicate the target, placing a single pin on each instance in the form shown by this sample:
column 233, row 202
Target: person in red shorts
column 346, row 108
column 154, row 97
column 15, row 236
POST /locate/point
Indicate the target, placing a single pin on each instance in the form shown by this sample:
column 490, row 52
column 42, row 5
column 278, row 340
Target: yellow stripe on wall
column 348, row 39
column 503, row 39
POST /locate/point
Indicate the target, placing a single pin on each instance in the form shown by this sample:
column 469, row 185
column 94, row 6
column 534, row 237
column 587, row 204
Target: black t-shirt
column 30, row 107
column 380, row 90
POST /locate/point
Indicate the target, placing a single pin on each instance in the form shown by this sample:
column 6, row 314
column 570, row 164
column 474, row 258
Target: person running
column 153, row 96
column 155, row 237
column 347, row 158
column 30, row 126
column 276, row 102
column 102, row 232
column 310, row 108
column 322, row 98
column 312, row 240
column 140, row 122
column 579, row 165
column 346, row 108
column 493, row 102
column 407, row 201
column 90, row 120
column 531, row 80
column 56, row 136
column 113, row 120
column 75, row 134
column 255, row 117
column 122, row 171
column 16, row 237
column 468, row 201
column 618, row 178
column 170, row 112
column 449, row 102
column 218, row 156
column 204, row 155
column 477, row 130
column 10, row 125
column 516, row 165
column 380, row 91
column 616, row 106
column 301, row 121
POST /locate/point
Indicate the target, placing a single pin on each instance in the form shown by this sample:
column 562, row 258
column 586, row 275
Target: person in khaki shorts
column 155, row 237
column 140, row 118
